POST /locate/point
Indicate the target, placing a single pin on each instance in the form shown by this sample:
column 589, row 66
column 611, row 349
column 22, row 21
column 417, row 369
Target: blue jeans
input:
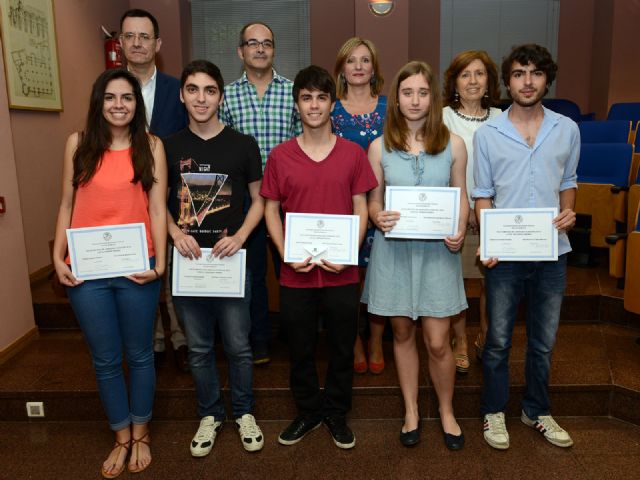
column 116, row 314
column 542, row 284
column 199, row 316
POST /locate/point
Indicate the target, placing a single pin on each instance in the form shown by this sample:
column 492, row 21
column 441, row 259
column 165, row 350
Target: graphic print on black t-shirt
column 206, row 193
column 202, row 193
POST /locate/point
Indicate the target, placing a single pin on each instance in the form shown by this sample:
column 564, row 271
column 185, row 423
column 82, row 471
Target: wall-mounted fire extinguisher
column 112, row 50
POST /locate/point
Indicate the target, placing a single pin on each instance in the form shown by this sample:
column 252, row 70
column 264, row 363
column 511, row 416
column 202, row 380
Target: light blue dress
column 414, row 278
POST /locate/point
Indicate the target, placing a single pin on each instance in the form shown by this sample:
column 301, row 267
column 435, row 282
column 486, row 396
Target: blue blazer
column 169, row 115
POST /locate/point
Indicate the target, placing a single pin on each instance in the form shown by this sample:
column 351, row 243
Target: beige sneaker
column 203, row 440
column 495, row 431
column 250, row 433
column 548, row 427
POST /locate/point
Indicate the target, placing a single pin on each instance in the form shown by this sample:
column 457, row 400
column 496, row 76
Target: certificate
column 108, row 251
column 330, row 237
column 209, row 276
column 518, row 234
column 425, row 212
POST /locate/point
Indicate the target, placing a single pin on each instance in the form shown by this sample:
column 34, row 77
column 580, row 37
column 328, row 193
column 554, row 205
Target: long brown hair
column 96, row 137
column 434, row 133
column 377, row 80
column 458, row 64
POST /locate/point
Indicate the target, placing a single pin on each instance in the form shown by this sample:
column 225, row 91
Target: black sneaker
column 342, row 435
column 297, row 430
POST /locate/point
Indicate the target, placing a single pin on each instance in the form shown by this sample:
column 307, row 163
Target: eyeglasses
column 253, row 43
column 142, row 37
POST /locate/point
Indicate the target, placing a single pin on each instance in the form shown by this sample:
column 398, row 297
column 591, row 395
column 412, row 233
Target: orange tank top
column 110, row 198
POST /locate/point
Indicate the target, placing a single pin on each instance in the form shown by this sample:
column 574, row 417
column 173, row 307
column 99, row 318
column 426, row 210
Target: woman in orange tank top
column 115, row 173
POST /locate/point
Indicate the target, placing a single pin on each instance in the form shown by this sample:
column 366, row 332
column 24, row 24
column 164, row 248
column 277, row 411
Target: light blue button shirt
column 515, row 175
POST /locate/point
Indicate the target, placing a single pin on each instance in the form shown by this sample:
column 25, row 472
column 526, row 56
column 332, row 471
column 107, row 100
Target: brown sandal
column 135, row 442
column 119, row 446
column 462, row 360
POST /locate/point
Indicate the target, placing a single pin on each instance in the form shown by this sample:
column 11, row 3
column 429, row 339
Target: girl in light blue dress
column 411, row 280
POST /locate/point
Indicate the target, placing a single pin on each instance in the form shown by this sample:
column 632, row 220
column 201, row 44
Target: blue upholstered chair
column 625, row 111
column 605, row 131
column 567, row 108
column 603, row 181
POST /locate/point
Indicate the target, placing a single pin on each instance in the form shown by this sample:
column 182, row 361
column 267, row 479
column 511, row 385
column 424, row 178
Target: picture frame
column 30, row 55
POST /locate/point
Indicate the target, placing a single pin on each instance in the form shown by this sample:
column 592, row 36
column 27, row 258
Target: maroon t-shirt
column 302, row 185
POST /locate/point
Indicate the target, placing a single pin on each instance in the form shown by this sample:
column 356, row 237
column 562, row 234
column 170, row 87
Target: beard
column 528, row 101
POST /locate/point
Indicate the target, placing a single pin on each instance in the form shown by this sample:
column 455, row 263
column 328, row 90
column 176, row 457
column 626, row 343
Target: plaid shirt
column 270, row 121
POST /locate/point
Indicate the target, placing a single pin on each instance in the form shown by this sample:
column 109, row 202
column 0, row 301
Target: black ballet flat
column 454, row 442
column 409, row 439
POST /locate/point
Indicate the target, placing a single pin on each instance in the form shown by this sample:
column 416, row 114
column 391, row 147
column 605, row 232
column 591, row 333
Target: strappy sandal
column 135, row 442
column 462, row 360
column 119, row 446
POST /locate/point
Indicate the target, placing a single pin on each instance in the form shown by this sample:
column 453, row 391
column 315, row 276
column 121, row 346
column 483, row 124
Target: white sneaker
column 548, row 427
column 495, row 431
column 250, row 433
column 202, row 442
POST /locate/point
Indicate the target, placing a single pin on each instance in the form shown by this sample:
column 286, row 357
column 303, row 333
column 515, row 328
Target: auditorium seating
column 625, row 111
column 603, row 180
column 567, row 108
column 605, row 131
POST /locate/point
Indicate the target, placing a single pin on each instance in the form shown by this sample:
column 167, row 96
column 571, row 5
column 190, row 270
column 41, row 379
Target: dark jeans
column 299, row 313
column 542, row 284
column 200, row 316
column 257, row 263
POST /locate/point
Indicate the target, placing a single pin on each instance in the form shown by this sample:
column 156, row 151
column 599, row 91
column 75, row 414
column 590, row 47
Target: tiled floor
column 604, row 449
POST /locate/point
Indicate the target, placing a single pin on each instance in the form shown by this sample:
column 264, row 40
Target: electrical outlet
column 35, row 409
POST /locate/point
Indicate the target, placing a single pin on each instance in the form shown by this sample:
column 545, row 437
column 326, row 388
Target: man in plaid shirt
column 260, row 104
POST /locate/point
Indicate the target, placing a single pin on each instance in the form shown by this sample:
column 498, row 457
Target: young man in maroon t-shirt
column 317, row 172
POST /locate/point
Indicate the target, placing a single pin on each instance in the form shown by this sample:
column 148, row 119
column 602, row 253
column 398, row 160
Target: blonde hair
column 377, row 80
column 434, row 133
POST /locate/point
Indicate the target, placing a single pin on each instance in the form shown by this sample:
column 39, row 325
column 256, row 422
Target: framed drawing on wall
column 30, row 54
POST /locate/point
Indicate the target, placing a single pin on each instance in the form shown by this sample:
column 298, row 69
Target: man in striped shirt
column 260, row 104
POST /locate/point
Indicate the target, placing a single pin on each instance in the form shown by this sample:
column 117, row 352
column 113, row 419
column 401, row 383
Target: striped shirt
column 270, row 120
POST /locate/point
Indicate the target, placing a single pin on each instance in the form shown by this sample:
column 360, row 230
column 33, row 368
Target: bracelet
column 156, row 272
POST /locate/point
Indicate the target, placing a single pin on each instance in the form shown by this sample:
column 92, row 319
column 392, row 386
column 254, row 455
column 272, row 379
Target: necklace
column 469, row 118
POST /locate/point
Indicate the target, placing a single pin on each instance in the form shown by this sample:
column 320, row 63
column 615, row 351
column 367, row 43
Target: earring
column 342, row 79
column 456, row 97
column 486, row 95
column 373, row 79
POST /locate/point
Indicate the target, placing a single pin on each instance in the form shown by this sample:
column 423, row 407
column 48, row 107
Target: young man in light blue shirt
column 525, row 158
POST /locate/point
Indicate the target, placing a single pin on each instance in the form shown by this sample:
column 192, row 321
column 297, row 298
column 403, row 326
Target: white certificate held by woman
column 322, row 237
column 428, row 213
column 108, row 251
column 209, row 276
column 518, row 234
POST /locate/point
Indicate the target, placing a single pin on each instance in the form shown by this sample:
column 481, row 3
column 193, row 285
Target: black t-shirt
column 208, row 181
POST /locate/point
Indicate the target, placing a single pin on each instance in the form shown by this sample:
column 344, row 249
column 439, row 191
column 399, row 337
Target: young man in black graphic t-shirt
column 210, row 169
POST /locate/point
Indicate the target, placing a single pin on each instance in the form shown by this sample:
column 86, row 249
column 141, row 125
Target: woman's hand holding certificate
column 108, row 251
column 427, row 213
